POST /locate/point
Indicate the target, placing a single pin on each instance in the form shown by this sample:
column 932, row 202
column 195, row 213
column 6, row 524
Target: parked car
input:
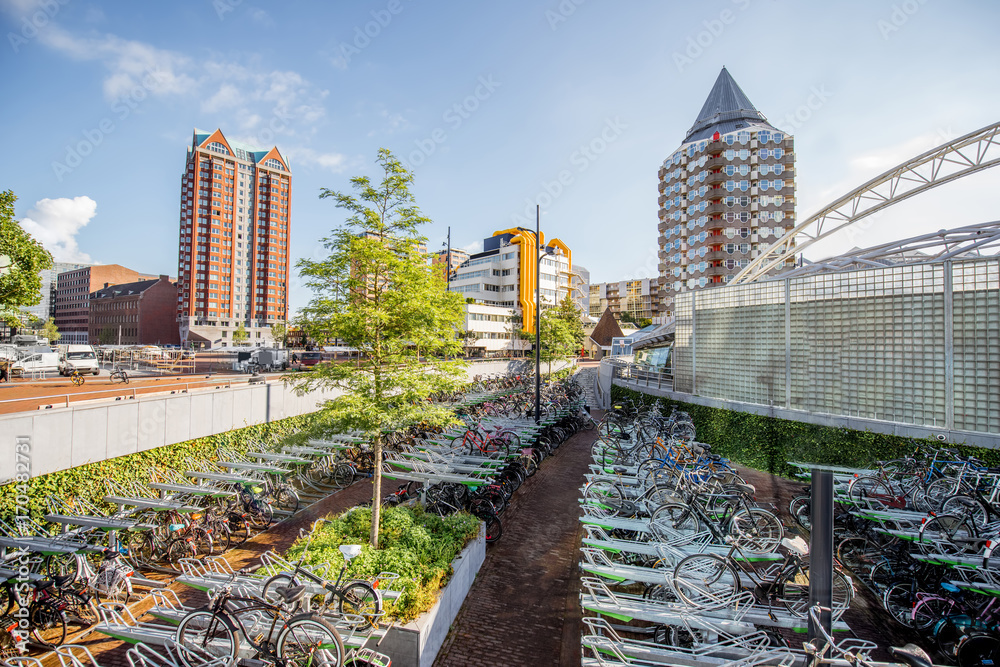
column 309, row 359
column 79, row 359
column 37, row 362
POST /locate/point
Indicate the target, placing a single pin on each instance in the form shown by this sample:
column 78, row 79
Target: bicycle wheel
column 967, row 506
column 142, row 548
column 604, row 499
column 494, row 529
column 180, row 548
column 898, row 600
column 794, row 593
column 929, row 610
column 940, row 490
column 343, row 475
column 706, row 581
column 869, row 491
column 948, row 534
column 203, row 542
column 308, row 640
column 286, row 499
column 360, row 599
column 756, row 530
column 800, row 508
column 204, row 631
column 269, row 590
column 47, row 624
column 239, row 528
column 82, row 609
column 61, row 565
column 673, row 518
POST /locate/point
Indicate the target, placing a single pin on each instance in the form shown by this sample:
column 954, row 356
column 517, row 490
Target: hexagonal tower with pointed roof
column 726, row 193
column 233, row 264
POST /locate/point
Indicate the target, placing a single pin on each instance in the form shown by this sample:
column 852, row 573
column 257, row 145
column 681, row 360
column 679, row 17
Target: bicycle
column 353, row 597
column 817, row 651
column 76, row 377
column 756, row 530
column 119, row 374
column 711, row 581
column 274, row 632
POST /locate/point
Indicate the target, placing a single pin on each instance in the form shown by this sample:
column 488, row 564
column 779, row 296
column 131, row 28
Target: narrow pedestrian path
column 524, row 607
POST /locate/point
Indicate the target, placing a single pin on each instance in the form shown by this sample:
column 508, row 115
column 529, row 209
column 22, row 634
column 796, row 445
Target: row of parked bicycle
column 478, row 465
column 683, row 567
column 183, row 520
column 920, row 532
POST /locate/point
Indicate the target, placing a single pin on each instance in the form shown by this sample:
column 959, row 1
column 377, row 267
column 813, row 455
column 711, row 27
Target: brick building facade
column 73, row 290
column 137, row 313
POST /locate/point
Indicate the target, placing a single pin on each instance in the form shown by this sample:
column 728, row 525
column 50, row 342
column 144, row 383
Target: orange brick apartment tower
column 233, row 261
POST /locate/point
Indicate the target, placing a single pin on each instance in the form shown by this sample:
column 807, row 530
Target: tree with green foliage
column 279, row 333
column 107, row 336
column 561, row 332
column 22, row 260
column 376, row 292
column 51, row 331
column 240, row 336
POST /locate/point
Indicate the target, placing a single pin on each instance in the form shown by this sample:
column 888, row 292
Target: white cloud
column 473, row 248
column 226, row 97
column 335, row 162
column 55, row 224
column 133, row 65
column 238, row 91
column 261, row 17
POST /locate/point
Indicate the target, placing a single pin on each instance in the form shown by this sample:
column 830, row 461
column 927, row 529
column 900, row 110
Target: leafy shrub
column 417, row 545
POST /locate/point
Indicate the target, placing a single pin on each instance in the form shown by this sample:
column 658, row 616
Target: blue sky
column 490, row 103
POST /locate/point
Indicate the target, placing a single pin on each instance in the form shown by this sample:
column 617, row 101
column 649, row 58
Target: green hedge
column 769, row 443
column 89, row 481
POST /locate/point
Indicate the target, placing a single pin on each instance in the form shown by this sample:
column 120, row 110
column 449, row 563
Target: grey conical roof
column 726, row 109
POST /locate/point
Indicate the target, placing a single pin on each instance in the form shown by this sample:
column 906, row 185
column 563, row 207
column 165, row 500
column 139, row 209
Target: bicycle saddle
column 621, row 470
column 290, row 594
column 748, row 489
column 911, row 654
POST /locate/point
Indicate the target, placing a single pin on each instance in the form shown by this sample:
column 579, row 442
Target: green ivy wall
column 768, row 443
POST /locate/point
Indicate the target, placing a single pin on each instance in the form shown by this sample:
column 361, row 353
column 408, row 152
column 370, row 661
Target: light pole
column 448, row 269
column 538, row 314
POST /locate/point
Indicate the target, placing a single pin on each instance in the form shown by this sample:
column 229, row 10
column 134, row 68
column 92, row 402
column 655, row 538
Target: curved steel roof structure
column 966, row 155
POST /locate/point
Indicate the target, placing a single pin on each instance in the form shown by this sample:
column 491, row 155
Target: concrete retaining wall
column 416, row 644
column 62, row 438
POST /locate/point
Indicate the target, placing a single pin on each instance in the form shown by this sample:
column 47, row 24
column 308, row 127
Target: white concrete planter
column 417, row 643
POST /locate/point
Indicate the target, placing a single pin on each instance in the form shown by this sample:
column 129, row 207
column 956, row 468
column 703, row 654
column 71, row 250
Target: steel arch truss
column 966, row 155
column 958, row 243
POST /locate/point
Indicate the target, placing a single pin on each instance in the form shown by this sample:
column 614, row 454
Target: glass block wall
column 873, row 344
column 870, row 344
column 976, row 315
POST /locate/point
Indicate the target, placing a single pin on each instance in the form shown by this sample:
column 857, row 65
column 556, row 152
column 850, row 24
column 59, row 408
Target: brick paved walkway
column 523, row 608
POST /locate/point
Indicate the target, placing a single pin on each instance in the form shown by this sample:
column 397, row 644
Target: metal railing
column 643, row 375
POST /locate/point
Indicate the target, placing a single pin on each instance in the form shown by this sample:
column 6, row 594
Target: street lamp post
column 538, row 318
column 539, row 253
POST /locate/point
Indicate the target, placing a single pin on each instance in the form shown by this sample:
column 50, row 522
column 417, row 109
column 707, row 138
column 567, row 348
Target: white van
column 37, row 362
column 78, row 358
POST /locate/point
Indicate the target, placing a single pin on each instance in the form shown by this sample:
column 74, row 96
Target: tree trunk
column 376, row 490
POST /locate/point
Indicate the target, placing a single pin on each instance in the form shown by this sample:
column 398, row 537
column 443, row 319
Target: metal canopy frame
column 966, row 155
column 959, row 243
